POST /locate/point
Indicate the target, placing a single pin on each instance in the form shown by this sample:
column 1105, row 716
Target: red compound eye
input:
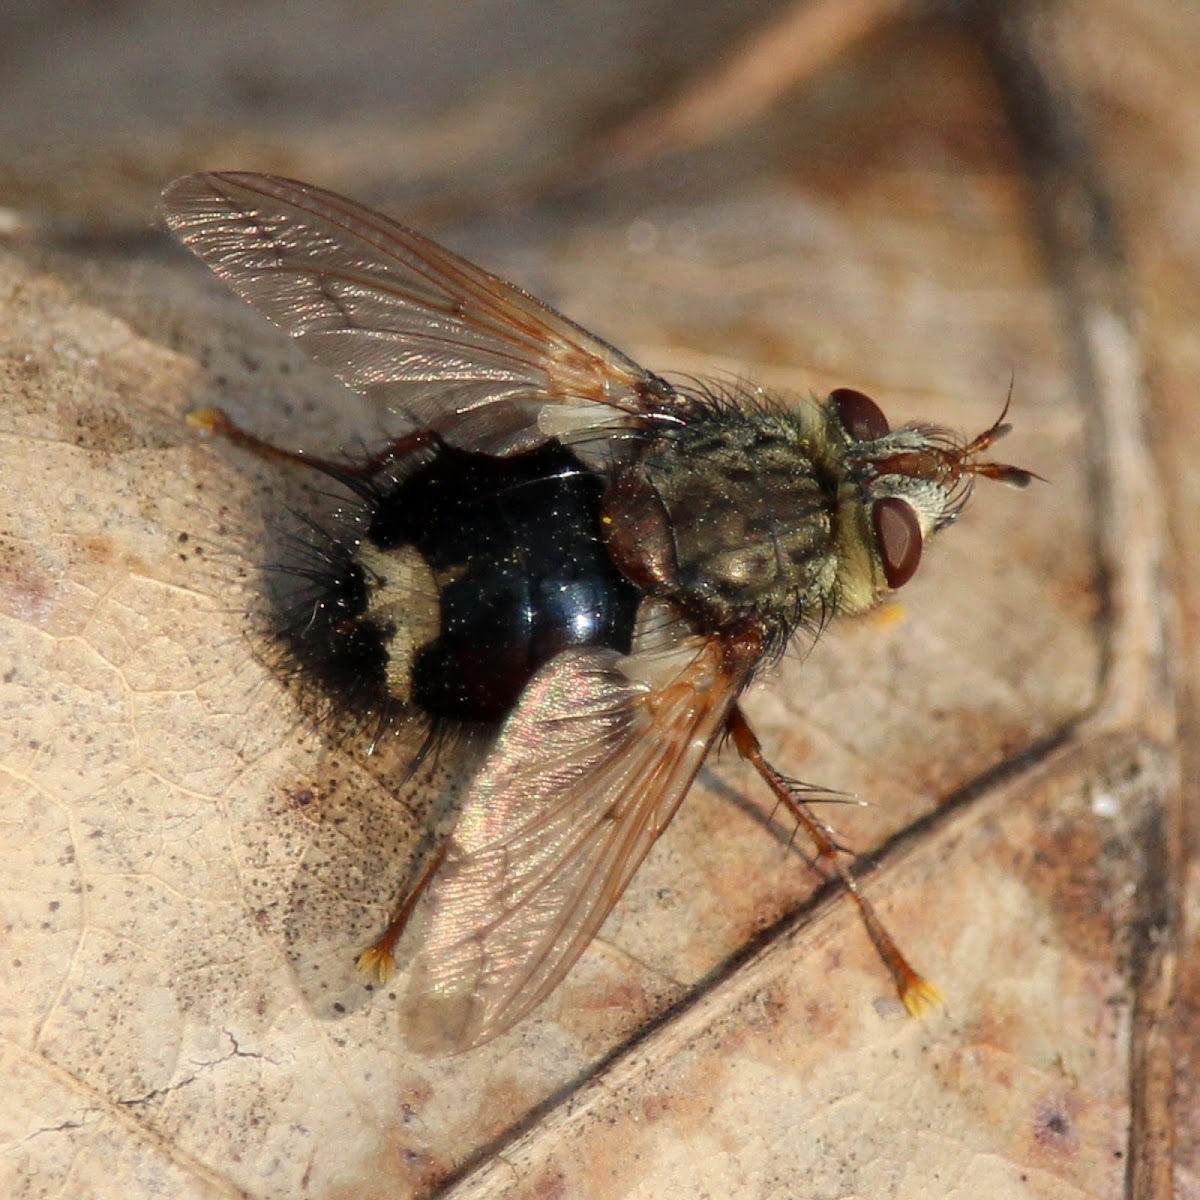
column 898, row 533
column 861, row 417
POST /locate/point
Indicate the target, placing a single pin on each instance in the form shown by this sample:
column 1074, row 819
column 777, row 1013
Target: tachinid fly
column 566, row 555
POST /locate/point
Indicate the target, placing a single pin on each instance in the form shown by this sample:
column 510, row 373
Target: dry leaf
column 161, row 799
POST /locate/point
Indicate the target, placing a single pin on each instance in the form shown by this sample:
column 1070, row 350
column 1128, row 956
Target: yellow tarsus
column 208, row 419
column 377, row 962
column 920, row 997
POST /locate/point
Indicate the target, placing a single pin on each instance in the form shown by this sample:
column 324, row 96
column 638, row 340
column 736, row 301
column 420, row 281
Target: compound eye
column 898, row 534
column 861, row 417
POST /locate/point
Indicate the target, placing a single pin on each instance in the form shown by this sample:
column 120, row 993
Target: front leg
column 917, row 993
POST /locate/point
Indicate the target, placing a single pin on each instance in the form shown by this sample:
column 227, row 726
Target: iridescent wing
column 416, row 329
column 587, row 772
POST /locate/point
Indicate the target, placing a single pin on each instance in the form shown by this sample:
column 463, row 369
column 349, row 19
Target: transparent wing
column 410, row 325
column 586, row 774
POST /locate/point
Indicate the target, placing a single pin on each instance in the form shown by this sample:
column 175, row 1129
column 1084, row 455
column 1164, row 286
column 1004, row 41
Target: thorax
column 732, row 518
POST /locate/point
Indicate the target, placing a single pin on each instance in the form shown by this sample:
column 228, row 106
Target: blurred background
column 928, row 202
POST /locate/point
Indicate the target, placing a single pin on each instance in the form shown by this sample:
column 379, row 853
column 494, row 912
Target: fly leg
column 359, row 477
column 356, row 476
column 380, row 959
column 917, row 993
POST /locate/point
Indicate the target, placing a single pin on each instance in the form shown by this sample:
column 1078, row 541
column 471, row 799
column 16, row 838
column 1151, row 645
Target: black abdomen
column 509, row 553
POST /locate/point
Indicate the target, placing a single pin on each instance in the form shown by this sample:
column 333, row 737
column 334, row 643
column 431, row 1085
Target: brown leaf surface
column 159, row 795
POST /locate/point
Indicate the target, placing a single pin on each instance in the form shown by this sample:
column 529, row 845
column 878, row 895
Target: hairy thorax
column 733, row 519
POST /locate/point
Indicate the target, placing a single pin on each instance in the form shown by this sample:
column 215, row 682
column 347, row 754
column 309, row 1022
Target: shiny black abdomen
column 521, row 571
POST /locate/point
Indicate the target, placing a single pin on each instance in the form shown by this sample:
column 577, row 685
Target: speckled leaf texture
column 944, row 206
